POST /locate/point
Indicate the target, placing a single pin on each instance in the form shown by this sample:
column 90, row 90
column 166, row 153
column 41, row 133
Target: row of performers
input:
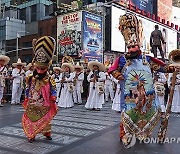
column 69, row 85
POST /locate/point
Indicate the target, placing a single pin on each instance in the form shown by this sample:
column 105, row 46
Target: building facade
column 45, row 27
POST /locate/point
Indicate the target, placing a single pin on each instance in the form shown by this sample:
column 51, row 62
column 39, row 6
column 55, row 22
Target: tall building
column 21, row 17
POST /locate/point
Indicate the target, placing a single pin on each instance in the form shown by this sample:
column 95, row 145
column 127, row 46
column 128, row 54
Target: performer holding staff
column 96, row 78
column 78, row 80
column 67, row 87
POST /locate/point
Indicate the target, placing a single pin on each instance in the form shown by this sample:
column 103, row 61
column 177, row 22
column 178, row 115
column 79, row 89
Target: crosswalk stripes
column 69, row 126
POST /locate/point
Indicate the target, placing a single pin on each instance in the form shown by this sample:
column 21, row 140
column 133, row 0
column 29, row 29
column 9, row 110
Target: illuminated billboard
column 92, row 37
column 117, row 40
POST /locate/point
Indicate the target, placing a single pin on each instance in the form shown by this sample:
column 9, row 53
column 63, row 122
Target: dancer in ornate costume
column 141, row 109
column 40, row 94
column 4, row 60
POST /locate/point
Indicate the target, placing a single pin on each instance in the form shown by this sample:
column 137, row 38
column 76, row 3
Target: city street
column 78, row 131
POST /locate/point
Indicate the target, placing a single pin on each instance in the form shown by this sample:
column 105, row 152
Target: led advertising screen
column 117, row 40
column 69, row 34
column 145, row 29
column 92, row 37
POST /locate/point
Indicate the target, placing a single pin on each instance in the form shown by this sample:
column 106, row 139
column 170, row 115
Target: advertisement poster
column 146, row 5
column 69, row 34
column 92, row 37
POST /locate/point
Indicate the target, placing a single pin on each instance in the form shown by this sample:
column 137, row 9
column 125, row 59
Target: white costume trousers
column 109, row 90
column 1, row 93
column 161, row 101
column 66, row 97
column 116, row 101
column 16, row 93
column 176, row 99
column 58, row 93
column 77, row 95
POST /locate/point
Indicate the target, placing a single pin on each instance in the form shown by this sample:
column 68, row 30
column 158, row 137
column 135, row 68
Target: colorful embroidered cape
column 39, row 105
column 141, row 108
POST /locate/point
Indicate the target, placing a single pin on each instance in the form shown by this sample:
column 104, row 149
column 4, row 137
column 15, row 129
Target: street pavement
column 80, row 131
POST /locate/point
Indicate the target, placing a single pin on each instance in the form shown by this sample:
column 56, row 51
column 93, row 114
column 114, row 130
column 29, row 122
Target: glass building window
column 46, row 10
column 22, row 14
column 33, row 12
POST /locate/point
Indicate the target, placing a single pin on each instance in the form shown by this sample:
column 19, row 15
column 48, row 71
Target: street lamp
column 17, row 42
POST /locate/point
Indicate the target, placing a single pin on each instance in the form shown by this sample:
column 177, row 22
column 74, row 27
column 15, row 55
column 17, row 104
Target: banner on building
column 69, row 34
column 92, row 37
column 146, row 5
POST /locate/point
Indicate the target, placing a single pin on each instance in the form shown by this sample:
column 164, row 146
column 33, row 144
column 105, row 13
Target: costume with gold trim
column 140, row 107
column 40, row 93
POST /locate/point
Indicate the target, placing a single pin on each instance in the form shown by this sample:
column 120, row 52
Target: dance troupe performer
column 40, row 94
column 140, row 107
